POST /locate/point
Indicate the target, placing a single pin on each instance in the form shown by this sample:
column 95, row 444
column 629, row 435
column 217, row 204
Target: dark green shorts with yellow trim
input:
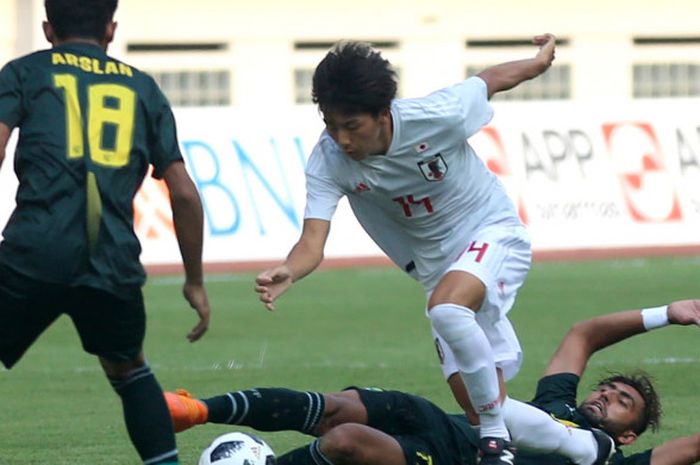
column 427, row 435
column 109, row 326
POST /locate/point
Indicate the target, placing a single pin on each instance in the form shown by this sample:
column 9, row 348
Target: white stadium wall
column 598, row 172
column 583, row 178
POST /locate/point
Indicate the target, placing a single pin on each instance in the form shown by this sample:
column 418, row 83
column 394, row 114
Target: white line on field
column 212, row 278
column 671, row 360
column 260, row 364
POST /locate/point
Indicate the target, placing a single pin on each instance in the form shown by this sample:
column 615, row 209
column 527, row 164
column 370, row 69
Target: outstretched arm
column 679, row 451
column 587, row 337
column 304, row 257
column 508, row 75
column 188, row 219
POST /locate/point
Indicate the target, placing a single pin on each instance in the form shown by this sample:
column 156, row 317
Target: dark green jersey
column 89, row 127
column 556, row 394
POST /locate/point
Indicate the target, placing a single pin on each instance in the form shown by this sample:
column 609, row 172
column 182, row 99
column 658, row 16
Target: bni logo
column 647, row 186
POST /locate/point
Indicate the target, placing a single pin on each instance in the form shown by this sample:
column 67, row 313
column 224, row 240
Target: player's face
column 614, row 407
column 360, row 134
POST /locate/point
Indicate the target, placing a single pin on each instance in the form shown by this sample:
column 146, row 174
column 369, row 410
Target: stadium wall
column 598, row 174
column 589, row 181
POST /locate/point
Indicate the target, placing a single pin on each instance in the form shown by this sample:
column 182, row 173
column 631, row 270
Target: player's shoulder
column 443, row 104
column 27, row 60
column 563, row 384
column 326, row 156
column 142, row 77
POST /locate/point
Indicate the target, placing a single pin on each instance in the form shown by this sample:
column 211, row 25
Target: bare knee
column 121, row 369
column 461, row 288
column 340, row 408
column 343, row 444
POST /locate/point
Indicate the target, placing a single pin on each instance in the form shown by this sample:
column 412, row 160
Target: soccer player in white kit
column 422, row 194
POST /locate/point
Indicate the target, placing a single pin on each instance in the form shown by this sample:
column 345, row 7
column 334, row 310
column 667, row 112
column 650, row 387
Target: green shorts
column 109, row 326
column 427, row 435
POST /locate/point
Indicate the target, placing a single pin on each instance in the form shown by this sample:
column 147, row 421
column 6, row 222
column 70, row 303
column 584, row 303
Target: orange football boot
column 185, row 411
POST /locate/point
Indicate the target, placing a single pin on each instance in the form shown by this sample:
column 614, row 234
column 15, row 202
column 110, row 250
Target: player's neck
column 387, row 134
column 80, row 41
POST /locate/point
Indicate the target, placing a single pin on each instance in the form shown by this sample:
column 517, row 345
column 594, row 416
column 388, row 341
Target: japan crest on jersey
column 434, row 168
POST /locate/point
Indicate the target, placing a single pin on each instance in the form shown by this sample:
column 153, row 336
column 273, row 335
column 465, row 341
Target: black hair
column 354, row 78
column 642, row 383
column 85, row 19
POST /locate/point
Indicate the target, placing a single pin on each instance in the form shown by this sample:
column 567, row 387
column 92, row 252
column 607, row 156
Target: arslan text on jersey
column 90, row 64
column 433, row 168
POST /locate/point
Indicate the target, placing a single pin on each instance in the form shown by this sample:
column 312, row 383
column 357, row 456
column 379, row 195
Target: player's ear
column 385, row 114
column 109, row 32
column 48, row 31
column 626, row 438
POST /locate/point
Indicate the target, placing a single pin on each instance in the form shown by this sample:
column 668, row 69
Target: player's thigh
column 341, row 407
column 488, row 273
column 458, row 287
column 27, row 308
column 429, row 450
column 396, row 412
column 110, row 326
column 353, row 443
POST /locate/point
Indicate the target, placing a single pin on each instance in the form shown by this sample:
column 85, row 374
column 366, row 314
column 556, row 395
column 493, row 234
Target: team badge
column 434, row 168
column 422, row 147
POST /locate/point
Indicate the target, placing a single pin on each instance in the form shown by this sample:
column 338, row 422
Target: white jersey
column 423, row 199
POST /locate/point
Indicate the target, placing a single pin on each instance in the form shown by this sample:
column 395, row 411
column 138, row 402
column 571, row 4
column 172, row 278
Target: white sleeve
column 533, row 429
column 322, row 197
column 322, row 192
column 476, row 109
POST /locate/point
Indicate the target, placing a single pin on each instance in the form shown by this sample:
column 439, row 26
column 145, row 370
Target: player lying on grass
column 375, row 427
column 429, row 202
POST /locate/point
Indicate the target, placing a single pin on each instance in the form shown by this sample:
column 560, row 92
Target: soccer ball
column 238, row 448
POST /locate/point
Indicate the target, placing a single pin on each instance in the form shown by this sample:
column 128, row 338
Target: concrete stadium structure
column 238, row 52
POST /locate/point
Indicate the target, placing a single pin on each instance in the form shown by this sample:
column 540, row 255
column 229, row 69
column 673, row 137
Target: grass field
column 336, row 328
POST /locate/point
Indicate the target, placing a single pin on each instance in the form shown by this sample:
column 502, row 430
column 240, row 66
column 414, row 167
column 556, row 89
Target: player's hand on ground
column 684, row 312
column 271, row 283
column 547, row 43
column 196, row 295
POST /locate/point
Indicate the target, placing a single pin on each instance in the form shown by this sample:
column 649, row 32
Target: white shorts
column 500, row 257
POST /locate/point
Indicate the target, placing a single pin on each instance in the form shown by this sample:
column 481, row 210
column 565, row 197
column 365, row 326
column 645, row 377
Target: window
column 666, row 66
column 303, row 78
column 195, row 88
column 555, row 84
column 666, row 80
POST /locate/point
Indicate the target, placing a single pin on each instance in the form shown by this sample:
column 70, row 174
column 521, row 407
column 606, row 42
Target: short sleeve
column 11, row 109
column 164, row 144
column 322, row 193
column 555, row 390
column 476, row 109
column 322, row 198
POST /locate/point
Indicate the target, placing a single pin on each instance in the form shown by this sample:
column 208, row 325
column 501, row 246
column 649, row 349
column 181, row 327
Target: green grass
column 336, row 328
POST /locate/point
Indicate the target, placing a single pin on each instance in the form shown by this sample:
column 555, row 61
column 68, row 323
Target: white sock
column 533, row 429
column 457, row 326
